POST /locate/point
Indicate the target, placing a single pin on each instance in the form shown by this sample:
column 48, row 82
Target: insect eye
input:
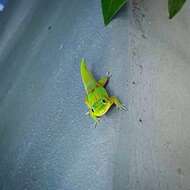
column 92, row 110
column 103, row 101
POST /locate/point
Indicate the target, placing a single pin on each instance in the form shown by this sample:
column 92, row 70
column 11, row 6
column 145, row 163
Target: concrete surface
column 46, row 141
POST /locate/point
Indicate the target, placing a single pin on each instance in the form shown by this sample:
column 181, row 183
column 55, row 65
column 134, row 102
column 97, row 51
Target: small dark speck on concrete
column 140, row 120
column 167, row 144
column 143, row 36
column 179, row 171
column 141, row 67
column 137, row 181
column 133, row 82
column 49, row 27
column 134, row 53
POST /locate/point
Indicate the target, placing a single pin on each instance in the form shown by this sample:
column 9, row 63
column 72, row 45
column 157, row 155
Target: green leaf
column 174, row 7
column 110, row 8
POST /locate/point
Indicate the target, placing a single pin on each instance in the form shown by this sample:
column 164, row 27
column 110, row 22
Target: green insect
column 97, row 99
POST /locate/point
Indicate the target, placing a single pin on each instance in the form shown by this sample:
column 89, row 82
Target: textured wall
column 46, row 141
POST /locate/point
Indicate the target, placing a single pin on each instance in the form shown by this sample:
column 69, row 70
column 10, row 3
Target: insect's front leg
column 96, row 119
column 104, row 80
column 117, row 102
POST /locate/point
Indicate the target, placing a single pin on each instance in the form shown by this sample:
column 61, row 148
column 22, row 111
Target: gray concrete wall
column 46, row 141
